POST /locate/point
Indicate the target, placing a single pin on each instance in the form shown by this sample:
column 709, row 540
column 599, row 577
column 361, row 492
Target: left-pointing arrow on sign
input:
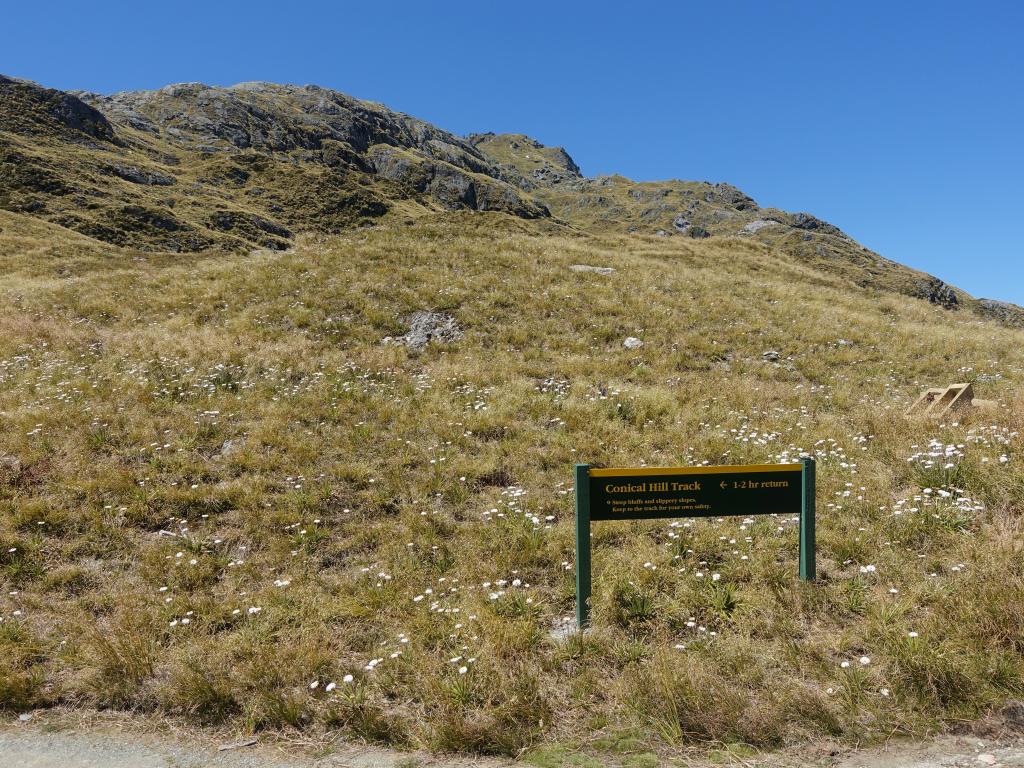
column 722, row 485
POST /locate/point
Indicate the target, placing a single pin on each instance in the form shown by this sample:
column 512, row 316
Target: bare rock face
column 140, row 176
column 814, row 224
column 426, row 326
column 1007, row 313
column 30, row 109
column 757, row 225
column 279, row 118
column 526, row 162
column 727, row 194
column 938, row 292
column 450, row 185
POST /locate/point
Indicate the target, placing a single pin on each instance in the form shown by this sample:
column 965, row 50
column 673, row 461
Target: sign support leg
column 808, row 570
column 582, row 545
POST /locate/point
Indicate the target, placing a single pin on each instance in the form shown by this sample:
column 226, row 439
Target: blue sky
column 902, row 123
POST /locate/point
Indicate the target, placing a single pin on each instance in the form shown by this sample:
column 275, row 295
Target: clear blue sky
column 901, row 122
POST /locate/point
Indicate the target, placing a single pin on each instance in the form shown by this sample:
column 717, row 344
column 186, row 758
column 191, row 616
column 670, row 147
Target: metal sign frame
column 671, row 492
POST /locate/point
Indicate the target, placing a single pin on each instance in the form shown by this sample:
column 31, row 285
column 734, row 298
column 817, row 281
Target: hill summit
column 191, row 167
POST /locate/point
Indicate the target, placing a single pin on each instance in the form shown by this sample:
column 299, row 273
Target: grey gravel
column 30, row 747
column 53, row 744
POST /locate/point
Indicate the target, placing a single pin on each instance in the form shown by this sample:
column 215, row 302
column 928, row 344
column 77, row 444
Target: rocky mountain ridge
column 191, row 167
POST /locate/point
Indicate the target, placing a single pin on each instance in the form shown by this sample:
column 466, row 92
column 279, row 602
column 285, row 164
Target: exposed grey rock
column 824, row 252
column 1000, row 310
column 806, row 221
column 661, row 233
column 632, row 342
column 281, row 118
column 72, row 116
column 452, row 186
column 655, row 212
column 648, row 195
column 588, row 268
column 323, row 126
column 232, row 446
column 558, row 167
column 727, row 194
column 548, row 177
column 564, row 160
column 426, row 326
column 698, row 233
column 119, row 113
column 771, row 355
column 938, row 292
column 249, row 224
column 139, row 176
column 757, row 225
column 681, row 223
column 844, row 343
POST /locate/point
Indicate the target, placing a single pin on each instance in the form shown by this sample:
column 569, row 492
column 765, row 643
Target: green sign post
column 656, row 492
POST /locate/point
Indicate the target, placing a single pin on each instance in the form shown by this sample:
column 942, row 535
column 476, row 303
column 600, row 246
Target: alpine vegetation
column 291, row 397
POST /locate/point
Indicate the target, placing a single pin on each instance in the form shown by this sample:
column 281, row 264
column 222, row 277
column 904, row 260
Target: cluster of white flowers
column 937, row 454
column 558, row 387
column 477, row 396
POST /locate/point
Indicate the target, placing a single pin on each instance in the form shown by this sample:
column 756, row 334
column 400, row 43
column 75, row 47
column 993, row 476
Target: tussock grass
column 224, row 499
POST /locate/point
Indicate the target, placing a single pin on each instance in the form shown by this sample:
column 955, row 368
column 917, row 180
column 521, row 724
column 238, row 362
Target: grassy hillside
column 192, row 168
column 701, row 209
column 224, row 499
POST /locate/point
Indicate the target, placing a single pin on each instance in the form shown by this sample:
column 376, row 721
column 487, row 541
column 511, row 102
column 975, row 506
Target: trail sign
column 648, row 493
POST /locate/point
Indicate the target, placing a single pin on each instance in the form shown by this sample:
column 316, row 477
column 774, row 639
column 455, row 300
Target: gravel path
column 30, row 748
column 66, row 740
column 944, row 753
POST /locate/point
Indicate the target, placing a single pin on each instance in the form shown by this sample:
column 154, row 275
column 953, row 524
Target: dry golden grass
column 222, row 494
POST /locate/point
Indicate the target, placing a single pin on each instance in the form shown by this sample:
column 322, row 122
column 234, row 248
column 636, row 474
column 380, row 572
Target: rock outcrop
column 192, row 167
column 426, row 326
column 31, row 110
column 938, row 292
